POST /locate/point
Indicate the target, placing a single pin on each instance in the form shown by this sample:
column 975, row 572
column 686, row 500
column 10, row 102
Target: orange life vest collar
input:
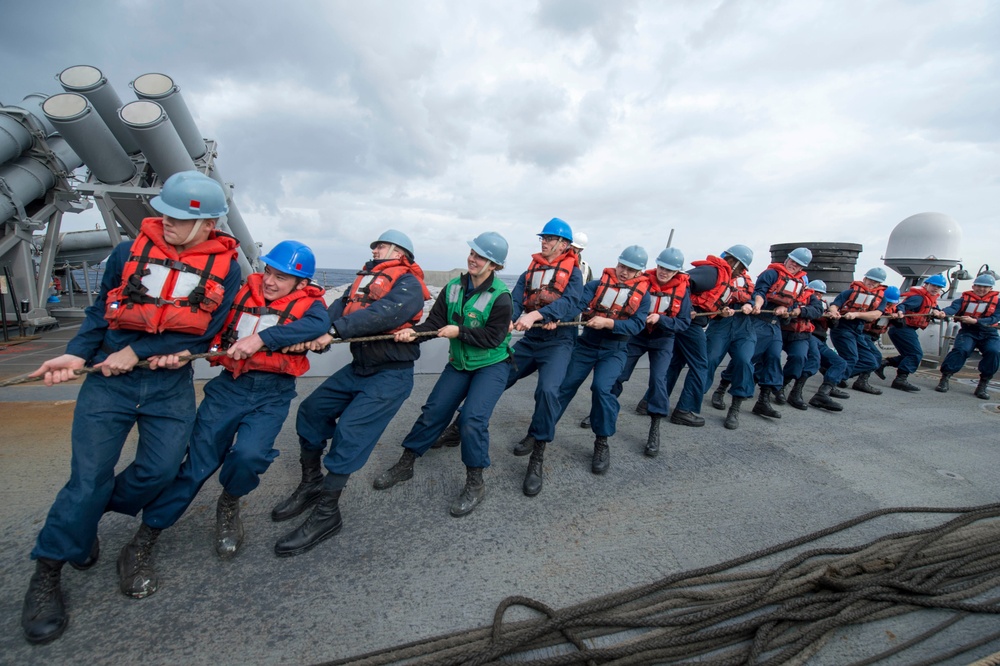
column 615, row 299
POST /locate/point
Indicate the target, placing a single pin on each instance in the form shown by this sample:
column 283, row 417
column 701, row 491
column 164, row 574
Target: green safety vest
column 474, row 313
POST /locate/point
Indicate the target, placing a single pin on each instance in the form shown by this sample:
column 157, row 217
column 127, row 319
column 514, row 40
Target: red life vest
column 666, row 299
column 163, row 290
column 928, row 303
column 371, row 285
column 881, row 325
column 251, row 313
column 976, row 307
column 614, row 299
column 801, row 324
column 861, row 299
column 787, row 289
column 728, row 290
column 545, row 281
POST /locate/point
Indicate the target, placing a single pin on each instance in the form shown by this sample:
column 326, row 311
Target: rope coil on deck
column 783, row 615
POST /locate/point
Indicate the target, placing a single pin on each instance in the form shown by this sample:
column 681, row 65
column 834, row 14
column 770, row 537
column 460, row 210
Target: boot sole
column 775, row 415
column 465, row 513
column 48, row 638
column 281, row 519
column 687, row 423
column 308, row 547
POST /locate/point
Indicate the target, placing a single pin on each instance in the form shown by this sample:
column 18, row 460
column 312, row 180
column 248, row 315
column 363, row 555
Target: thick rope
column 782, row 616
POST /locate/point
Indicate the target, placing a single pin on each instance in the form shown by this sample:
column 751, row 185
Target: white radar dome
column 923, row 244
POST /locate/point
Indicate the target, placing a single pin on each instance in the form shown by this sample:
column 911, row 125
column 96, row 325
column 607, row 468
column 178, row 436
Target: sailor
column 246, row 404
column 779, row 289
column 797, row 337
column 916, row 309
column 669, row 314
column 977, row 311
column 730, row 330
column 851, row 309
column 579, row 244
column 617, row 305
column 821, row 356
column 473, row 311
column 354, row 405
column 165, row 293
column 546, row 293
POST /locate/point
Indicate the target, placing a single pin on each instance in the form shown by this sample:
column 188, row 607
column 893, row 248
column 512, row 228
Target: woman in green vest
column 473, row 311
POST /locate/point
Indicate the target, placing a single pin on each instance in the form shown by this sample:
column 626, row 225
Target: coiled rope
column 723, row 617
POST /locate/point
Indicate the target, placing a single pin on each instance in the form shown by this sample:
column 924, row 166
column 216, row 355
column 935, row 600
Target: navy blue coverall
column 974, row 336
column 237, row 423
column 547, row 352
column 354, row 406
column 691, row 347
column 161, row 403
column 849, row 339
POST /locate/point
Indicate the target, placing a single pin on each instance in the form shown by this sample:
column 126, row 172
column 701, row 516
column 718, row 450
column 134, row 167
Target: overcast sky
column 756, row 122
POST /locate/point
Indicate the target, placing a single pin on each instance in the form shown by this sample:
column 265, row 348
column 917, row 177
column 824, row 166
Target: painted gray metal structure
column 129, row 150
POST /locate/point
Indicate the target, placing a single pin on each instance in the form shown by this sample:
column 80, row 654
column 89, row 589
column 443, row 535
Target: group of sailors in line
column 175, row 291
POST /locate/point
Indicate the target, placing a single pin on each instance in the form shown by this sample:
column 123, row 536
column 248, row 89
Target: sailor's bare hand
column 450, row 331
column 850, row 316
column 551, row 326
column 966, row 319
column 170, row 361
column 780, row 311
column 746, row 309
column 245, row 347
column 119, row 363
column 727, row 311
column 405, row 335
column 527, row 320
column 600, row 323
column 652, row 319
column 60, row 369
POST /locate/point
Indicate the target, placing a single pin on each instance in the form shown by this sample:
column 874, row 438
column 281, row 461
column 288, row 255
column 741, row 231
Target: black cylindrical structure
column 833, row 263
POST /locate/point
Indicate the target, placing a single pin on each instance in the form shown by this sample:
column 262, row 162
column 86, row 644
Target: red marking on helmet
column 298, row 267
column 195, row 203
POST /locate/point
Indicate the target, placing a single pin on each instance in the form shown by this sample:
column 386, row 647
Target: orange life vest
column 801, row 324
column 928, row 303
column 862, row 299
column 614, row 299
column 371, row 285
column 787, row 289
column 666, row 299
column 728, row 290
column 251, row 313
column 163, row 290
column 976, row 307
column 881, row 325
column 545, row 281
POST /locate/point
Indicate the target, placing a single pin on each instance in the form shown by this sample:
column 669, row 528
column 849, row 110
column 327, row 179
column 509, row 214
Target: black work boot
column 779, row 395
column 95, row 554
column 533, row 477
column 322, row 523
column 822, row 399
column 602, row 456
column 900, row 383
column 942, row 386
column 733, row 417
column 136, row 575
column 43, row 616
column 861, row 384
column 653, row 440
column 719, row 395
column 307, row 492
column 680, row 417
column 795, row 398
column 525, row 446
column 981, row 387
column 228, row 526
column 838, row 394
column 450, row 437
column 472, row 494
column 642, row 408
column 585, row 423
column 401, row 471
column 763, row 406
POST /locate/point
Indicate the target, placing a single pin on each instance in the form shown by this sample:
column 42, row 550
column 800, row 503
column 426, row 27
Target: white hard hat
column 580, row 240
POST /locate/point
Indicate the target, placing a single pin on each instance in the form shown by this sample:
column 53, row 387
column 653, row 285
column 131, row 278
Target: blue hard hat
column 818, row 286
column 801, row 255
column 877, row 274
column 291, row 257
column 492, row 246
column 190, row 195
column 891, row 294
column 634, row 257
column 741, row 253
column 397, row 238
column 557, row 227
column 937, row 280
column 671, row 258
column 984, row 280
